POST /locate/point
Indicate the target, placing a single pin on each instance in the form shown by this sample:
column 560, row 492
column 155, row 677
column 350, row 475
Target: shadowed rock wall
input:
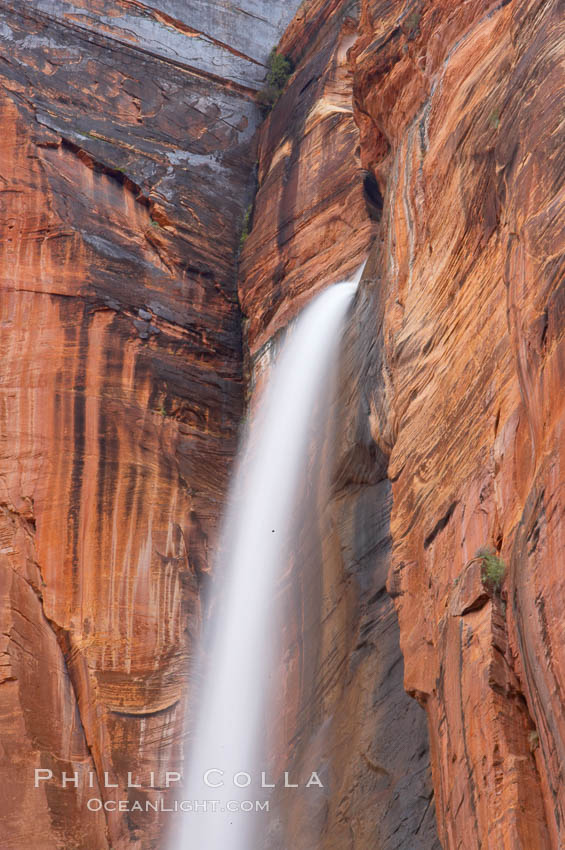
column 125, row 169
column 346, row 714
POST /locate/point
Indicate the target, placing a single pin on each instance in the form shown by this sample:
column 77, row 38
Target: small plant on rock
column 279, row 69
column 494, row 119
column 493, row 568
column 412, row 24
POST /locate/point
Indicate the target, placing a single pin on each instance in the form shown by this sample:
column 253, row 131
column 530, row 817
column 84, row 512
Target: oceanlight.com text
column 95, row 804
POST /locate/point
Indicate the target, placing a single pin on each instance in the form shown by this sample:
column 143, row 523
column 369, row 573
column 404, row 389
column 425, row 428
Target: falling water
column 229, row 729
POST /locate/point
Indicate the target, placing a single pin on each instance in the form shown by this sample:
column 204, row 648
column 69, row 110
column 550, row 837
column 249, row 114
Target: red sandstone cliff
column 430, row 131
column 125, row 170
column 457, row 337
column 344, row 705
column 462, row 124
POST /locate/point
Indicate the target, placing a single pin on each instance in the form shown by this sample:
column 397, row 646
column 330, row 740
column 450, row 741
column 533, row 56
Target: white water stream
column 227, row 735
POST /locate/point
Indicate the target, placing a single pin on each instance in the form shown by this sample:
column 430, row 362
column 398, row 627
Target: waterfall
column 228, row 729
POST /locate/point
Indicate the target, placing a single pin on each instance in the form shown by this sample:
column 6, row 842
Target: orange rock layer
column 344, row 709
column 428, row 136
column 461, row 122
column 121, row 395
column 458, row 334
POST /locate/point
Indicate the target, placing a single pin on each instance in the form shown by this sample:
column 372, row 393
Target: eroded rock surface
column 429, row 135
column 126, row 166
column 460, row 114
column 316, row 213
column 459, row 109
column 309, row 225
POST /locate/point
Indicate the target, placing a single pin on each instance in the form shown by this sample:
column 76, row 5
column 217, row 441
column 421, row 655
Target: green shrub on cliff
column 279, row 69
column 412, row 24
column 493, row 567
column 494, row 119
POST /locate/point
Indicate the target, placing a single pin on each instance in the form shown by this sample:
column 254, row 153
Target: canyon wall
column 460, row 111
column 457, row 336
column 344, row 710
column 425, row 135
column 126, row 167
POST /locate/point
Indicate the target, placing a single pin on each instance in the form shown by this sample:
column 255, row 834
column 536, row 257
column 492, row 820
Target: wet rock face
column 344, row 707
column 125, row 169
column 352, row 717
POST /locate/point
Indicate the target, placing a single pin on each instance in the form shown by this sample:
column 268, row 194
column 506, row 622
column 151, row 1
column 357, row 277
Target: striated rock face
column 309, row 224
column 344, row 710
column 460, row 116
column 428, row 136
column 347, row 713
column 125, row 171
column 453, row 366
